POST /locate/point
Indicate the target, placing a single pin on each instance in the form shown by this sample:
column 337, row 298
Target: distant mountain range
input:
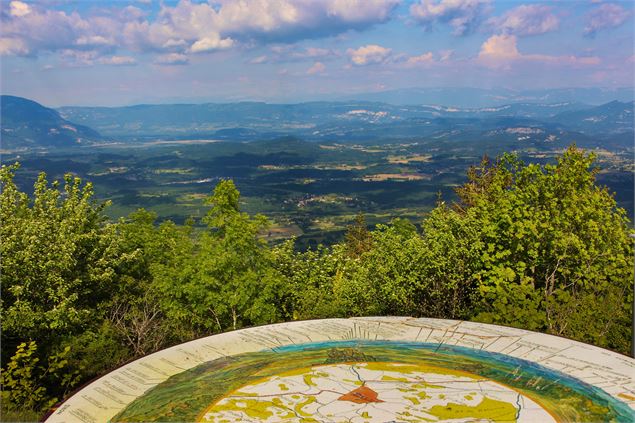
column 480, row 97
column 28, row 124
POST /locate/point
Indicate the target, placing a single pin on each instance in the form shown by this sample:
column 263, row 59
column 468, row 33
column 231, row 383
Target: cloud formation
column 370, row 54
column 524, row 20
column 463, row 15
column 294, row 53
column 185, row 27
column 501, row 51
column 318, row 67
column 605, row 16
column 171, row 59
column 118, row 60
column 422, row 59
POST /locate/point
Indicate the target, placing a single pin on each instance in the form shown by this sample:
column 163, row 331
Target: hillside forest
column 542, row 247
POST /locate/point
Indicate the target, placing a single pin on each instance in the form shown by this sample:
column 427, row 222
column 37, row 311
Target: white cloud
column 75, row 58
column 445, row 55
column 369, row 54
column 295, row 53
column 501, row 51
column 259, row 60
column 171, row 59
column 499, row 47
column 462, row 15
column 227, row 22
column 318, row 67
column 30, row 28
column 183, row 27
column 18, row 8
column 13, row 46
column 94, row 40
column 361, row 10
column 422, row 59
column 605, row 16
column 117, row 60
column 79, row 57
column 530, row 19
column 211, row 43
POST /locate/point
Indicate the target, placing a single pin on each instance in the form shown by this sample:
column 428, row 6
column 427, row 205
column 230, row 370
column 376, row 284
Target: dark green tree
column 358, row 239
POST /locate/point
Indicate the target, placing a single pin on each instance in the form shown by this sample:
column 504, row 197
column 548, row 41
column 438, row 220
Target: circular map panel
column 366, row 370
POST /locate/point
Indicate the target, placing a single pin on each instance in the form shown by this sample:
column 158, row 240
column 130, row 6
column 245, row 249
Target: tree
column 138, row 309
column 230, row 282
column 358, row 239
column 557, row 256
column 58, row 264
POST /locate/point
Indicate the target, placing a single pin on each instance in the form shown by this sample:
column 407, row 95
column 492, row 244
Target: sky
column 112, row 53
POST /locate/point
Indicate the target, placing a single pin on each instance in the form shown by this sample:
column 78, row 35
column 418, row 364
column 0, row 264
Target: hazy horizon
column 359, row 97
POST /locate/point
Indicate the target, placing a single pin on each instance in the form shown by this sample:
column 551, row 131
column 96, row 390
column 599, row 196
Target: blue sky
column 124, row 52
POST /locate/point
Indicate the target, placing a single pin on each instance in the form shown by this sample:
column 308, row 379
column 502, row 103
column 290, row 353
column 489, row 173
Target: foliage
column 229, row 281
column 23, row 378
column 358, row 239
column 538, row 247
column 58, row 264
column 553, row 244
column 55, row 258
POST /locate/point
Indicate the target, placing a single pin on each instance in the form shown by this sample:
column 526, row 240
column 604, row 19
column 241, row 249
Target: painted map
column 366, row 370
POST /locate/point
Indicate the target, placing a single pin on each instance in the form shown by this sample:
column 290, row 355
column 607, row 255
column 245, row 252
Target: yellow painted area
column 413, row 400
column 489, row 409
column 308, row 378
column 408, row 417
column 422, row 395
column 626, row 396
column 262, row 408
column 245, row 394
column 396, row 379
column 424, row 385
column 255, row 408
column 299, row 408
column 412, row 368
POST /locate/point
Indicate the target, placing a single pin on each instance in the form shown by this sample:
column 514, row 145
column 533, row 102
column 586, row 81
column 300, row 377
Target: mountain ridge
column 28, row 124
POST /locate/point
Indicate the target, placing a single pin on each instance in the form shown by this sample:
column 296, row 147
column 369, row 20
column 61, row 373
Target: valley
column 309, row 190
column 309, row 167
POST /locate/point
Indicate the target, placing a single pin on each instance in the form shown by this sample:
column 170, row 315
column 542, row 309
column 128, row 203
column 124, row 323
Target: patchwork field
column 309, row 190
